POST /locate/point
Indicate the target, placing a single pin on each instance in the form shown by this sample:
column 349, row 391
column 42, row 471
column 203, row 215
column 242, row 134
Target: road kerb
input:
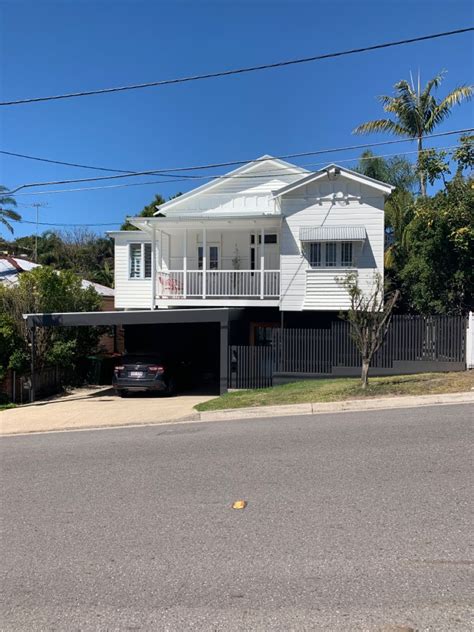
column 405, row 401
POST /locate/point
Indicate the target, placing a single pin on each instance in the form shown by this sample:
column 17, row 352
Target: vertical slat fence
column 410, row 340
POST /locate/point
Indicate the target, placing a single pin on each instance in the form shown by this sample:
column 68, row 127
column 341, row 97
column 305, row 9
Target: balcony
column 218, row 285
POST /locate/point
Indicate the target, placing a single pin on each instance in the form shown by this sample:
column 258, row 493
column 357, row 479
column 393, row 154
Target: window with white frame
column 212, row 262
column 315, row 254
column 268, row 238
column 213, row 257
column 330, row 254
column 140, row 261
column 346, row 254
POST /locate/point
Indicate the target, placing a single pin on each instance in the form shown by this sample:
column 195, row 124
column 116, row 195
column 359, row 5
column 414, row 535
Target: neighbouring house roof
column 253, row 164
column 334, row 170
column 333, row 233
column 12, row 267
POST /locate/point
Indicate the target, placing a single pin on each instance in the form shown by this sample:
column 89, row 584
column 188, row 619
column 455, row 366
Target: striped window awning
column 333, row 233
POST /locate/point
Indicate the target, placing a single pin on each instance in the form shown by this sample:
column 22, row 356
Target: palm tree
column 416, row 112
column 399, row 172
column 7, row 213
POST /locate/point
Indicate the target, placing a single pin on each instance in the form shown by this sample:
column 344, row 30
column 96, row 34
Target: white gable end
column 248, row 188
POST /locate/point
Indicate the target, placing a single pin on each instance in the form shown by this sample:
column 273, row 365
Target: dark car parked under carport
column 151, row 372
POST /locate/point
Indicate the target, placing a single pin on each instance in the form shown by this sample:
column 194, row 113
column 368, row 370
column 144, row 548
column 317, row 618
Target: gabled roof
column 332, row 169
column 236, row 172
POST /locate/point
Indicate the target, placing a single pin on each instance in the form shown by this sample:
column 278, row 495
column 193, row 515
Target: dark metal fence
column 436, row 340
column 413, row 344
column 48, row 381
column 250, row 367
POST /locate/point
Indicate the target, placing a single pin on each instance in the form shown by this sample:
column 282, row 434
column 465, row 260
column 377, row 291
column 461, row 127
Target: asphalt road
column 355, row 521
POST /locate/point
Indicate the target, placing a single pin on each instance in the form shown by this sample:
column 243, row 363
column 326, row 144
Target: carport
column 220, row 317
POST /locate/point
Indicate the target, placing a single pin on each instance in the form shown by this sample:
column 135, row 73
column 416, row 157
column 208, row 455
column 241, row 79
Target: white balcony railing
column 250, row 284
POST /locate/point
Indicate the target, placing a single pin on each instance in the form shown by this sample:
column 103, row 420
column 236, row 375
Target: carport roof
column 136, row 317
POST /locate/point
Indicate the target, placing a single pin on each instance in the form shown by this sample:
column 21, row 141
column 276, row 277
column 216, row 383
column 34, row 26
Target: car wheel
column 171, row 388
column 123, row 393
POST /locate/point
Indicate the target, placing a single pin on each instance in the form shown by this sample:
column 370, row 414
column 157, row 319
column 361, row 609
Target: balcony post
column 185, row 263
column 153, row 267
column 262, row 263
column 160, row 263
column 204, row 262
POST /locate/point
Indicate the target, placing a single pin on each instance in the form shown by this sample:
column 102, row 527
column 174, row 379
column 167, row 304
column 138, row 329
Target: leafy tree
column 438, row 276
column 400, row 173
column 464, row 154
column 12, row 347
column 89, row 255
column 149, row 210
column 46, row 290
column 416, row 112
column 432, row 165
column 369, row 317
column 5, row 212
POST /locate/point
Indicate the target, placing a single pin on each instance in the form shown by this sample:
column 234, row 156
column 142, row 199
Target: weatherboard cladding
column 332, row 233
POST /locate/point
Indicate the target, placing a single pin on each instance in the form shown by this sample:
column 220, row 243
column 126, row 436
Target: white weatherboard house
column 268, row 234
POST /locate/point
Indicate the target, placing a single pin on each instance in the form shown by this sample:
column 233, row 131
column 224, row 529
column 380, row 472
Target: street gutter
column 290, row 410
column 349, row 405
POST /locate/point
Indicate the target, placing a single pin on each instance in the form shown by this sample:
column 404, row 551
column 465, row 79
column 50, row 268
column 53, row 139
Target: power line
column 228, row 177
column 235, row 162
column 239, row 71
column 68, row 164
column 24, row 221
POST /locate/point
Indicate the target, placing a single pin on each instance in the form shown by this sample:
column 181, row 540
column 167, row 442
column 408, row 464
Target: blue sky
column 72, row 45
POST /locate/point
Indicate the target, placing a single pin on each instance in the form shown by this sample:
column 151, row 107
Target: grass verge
column 339, row 389
column 7, row 406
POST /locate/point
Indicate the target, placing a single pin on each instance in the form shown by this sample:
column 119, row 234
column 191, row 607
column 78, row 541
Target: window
column 271, row 238
column 135, row 260
column 213, row 257
column 331, row 254
column 263, row 335
column 147, row 265
column 140, row 261
column 315, row 254
column 346, row 253
column 212, row 262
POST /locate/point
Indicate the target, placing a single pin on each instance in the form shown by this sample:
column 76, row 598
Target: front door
column 271, row 251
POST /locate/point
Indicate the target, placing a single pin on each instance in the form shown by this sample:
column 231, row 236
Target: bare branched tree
column 369, row 317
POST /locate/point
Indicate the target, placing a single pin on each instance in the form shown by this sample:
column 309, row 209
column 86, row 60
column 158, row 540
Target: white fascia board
column 318, row 175
column 217, row 221
column 218, row 181
column 117, row 233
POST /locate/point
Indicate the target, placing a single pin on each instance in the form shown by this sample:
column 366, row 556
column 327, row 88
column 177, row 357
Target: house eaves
column 332, row 171
column 195, row 219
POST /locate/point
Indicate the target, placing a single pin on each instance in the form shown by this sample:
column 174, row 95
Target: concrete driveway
column 95, row 407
